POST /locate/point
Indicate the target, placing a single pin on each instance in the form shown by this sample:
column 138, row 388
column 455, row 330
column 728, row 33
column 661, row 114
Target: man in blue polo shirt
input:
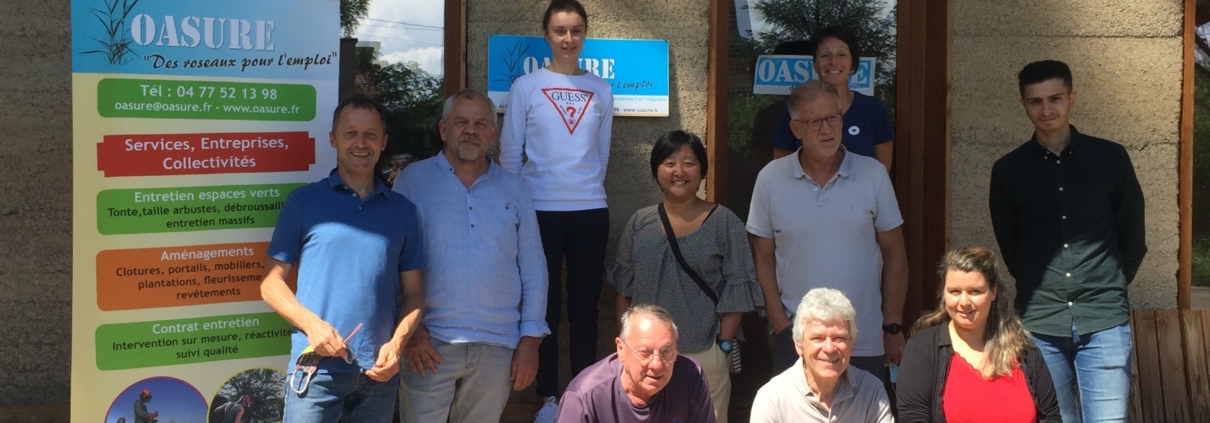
column 358, row 250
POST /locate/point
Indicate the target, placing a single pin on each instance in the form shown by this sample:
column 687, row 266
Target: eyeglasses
column 644, row 355
column 815, row 124
column 308, row 363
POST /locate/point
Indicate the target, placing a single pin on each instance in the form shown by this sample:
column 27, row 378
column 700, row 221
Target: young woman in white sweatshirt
column 560, row 118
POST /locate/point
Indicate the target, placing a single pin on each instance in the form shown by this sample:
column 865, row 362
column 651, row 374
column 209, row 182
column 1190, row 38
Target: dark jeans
column 578, row 237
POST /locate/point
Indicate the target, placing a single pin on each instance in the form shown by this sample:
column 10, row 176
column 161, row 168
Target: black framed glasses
column 833, row 121
column 645, row 356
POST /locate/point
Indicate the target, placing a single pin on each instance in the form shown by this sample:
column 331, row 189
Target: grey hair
column 824, row 304
column 468, row 94
column 653, row 311
column 806, row 92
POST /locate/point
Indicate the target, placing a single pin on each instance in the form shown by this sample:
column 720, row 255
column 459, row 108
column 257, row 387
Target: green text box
column 168, row 99
column 183, row 341
column 153, row 210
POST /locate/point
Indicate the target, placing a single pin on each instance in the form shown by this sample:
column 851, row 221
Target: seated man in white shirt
column 821, row 387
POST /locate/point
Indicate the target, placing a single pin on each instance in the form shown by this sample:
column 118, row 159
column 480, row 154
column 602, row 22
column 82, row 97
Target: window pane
column 759, row 27
column 400, row 51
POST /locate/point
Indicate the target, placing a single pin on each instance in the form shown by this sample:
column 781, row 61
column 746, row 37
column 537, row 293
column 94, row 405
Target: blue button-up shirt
column 486, row 276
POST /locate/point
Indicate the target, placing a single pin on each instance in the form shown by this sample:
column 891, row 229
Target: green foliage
column 1201, row 262
column 351, row 13
column 742, row 109
column 413, row 101
column 1201, row 177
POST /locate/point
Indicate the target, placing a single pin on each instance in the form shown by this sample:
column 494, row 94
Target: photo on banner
column 192, row 123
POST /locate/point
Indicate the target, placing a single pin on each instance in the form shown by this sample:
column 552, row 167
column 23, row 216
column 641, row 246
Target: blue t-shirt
column 866, row 124
column 349, row 253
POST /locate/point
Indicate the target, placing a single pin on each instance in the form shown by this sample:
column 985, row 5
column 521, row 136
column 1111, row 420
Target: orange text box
column 179, row 276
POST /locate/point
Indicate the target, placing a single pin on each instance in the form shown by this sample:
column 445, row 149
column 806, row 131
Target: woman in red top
column 971, row 360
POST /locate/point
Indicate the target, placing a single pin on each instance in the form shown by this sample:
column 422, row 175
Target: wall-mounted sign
column 779, row 74
column 636, row 69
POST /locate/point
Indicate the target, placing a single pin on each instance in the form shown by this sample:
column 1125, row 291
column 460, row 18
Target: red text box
column 199, row 154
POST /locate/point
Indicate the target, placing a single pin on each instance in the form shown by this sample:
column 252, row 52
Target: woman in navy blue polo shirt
column 867, row 128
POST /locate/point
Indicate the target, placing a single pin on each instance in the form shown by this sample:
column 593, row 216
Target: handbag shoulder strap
column 676, row 251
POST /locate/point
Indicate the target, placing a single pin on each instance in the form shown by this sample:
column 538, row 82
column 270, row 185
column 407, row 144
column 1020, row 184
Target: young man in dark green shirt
column 1067, row 210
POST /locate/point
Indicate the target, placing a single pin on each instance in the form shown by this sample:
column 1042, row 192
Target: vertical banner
column 192, row 123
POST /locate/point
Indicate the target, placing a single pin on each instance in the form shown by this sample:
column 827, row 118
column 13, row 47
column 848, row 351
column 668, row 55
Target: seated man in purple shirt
column 645, row 381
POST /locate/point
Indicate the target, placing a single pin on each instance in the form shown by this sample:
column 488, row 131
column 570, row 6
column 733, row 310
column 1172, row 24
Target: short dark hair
column 569, row 6
column 843, row 34
column 1042, row 71
column 669, row 143
column 360, row 101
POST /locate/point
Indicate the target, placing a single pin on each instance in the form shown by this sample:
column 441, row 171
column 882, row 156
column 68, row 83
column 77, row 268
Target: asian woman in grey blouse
column 713, row 242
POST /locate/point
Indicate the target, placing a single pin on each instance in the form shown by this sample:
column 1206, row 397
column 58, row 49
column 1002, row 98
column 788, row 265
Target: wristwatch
column 726, row 345
column 893, row 328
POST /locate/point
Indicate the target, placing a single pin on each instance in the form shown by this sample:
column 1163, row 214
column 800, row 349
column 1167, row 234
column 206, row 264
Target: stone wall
column 35, row 202
column 1126, row 59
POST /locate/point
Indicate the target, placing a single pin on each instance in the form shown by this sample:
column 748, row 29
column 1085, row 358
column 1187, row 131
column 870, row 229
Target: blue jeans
column 1098, row 365
column 472, row 385
column 349, row 397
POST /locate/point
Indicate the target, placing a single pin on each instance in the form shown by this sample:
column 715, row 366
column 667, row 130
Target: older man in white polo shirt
column 822, row 218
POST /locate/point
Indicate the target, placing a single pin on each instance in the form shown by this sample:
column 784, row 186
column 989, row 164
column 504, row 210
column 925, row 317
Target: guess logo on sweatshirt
column 570, row 103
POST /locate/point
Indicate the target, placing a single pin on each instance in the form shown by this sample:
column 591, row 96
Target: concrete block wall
column 1126, row 63
column 35, row 203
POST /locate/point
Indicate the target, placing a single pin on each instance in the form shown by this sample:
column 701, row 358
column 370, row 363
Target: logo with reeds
column 513, row 60
column 115, row 45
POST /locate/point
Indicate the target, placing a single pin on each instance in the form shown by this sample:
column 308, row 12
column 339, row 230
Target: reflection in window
column 1201, row 146
column 399, row 64
column 759, row 27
